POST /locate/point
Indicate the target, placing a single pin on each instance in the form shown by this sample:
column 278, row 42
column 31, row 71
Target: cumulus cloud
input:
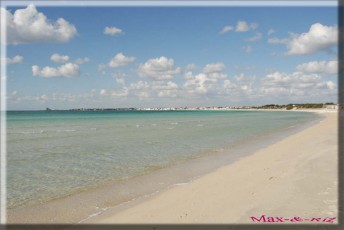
column 59, row 58
column 319, row 38
column 113, row 31
column 161, row 68
column 243, row 26
column 296, row 83
column 199, row 84
column 240, row 86
column 320, row 67
column 120, row 60
column 256, row 37
column 28, row 25
column 205, row 83
column 66, row 70
column 168, row 89
column 15, row 60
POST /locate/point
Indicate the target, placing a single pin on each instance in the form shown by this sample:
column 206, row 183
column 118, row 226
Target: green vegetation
column 295, row 106
column 289, row 107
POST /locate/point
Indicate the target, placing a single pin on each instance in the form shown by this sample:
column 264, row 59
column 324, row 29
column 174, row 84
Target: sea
column 54, row 154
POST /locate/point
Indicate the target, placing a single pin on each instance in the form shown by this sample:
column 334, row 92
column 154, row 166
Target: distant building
column 334, row 107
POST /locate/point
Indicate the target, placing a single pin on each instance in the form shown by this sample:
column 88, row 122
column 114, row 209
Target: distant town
column 330, row 105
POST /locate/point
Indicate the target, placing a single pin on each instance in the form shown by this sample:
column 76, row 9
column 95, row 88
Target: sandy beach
column 295, row 177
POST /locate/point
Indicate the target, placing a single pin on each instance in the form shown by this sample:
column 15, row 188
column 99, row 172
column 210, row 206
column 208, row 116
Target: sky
column 116, row 57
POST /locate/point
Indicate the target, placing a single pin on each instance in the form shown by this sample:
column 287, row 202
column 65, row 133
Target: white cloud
column 119, row 76
column 296, row 84
column 114, row 93
column 139, row 85
column 242, row 86
column 205, row 83
column 320, row 67
column 82, row 60
column 227, row 84
column 59, row 58
column 144, row 89
column 66, row 70
column 164, row 86
column 15, row 60
column 120, row 92
column 244, row 78
column 103, row 92
column 120, row 60
column 43, row 97
column 200, row 84
column 113, row 31
column 161, row 68
column 243, row 26
column 256, row 37
column 120, row 81
column 226, row 29
column 216, row 75
column 169, row 89
column 28, row 25
column 319, row 38
column 217, row 67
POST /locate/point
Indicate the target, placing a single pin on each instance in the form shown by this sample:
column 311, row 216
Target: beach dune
column 295, row 177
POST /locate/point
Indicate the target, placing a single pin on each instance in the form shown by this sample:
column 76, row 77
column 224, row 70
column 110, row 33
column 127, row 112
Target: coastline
column 87, row 206
column 297, row 176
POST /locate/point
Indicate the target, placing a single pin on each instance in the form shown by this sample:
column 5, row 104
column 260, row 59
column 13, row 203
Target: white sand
column 293, row 177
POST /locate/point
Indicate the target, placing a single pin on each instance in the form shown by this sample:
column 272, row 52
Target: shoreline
column 102, row 198
column 273, row 181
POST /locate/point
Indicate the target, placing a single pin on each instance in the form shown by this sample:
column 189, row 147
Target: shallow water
column 52, row 154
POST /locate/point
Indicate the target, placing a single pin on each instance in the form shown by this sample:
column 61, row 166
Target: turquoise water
column 52, row 154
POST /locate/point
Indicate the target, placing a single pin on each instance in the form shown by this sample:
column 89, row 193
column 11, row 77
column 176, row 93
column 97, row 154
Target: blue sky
column 169, row 56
